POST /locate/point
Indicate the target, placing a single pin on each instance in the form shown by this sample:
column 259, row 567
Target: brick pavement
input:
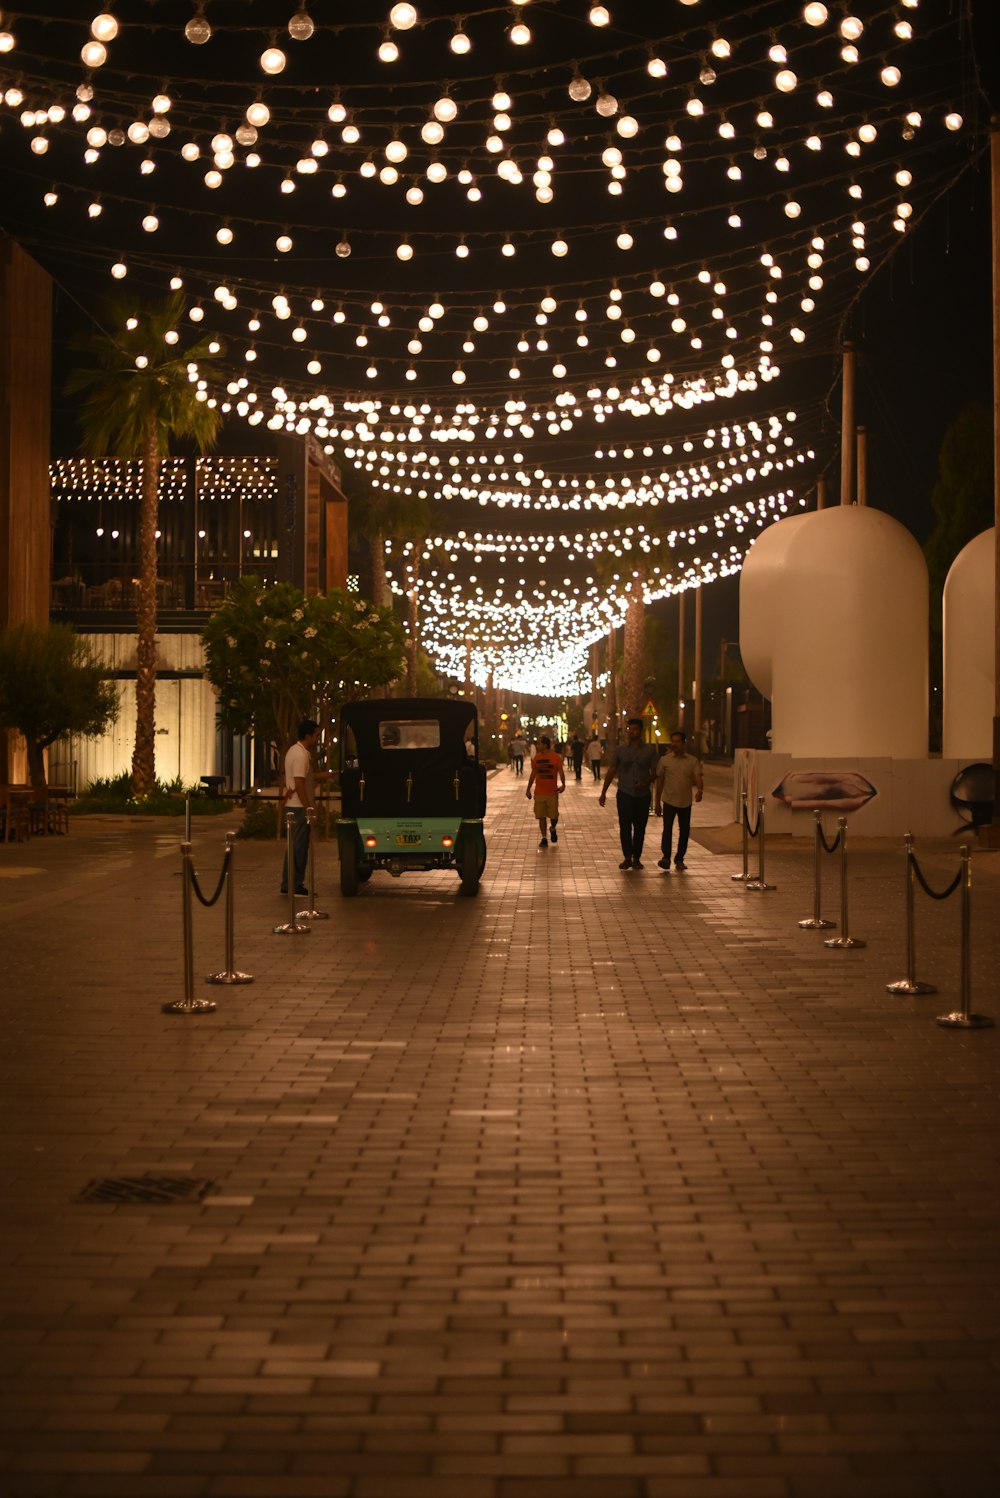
column 599, row 1186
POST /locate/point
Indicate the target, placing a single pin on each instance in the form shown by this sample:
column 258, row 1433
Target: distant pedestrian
column 576, row 749
column 548, row 778
column 300, row 797
column 678, row 783
column 517, row 751
column 595, row 753
column 634, row 762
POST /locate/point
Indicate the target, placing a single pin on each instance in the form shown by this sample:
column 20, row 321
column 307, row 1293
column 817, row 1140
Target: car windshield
column 409, row 733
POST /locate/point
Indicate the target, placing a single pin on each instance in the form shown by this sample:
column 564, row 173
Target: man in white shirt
column 299, row 798
column 678, row 783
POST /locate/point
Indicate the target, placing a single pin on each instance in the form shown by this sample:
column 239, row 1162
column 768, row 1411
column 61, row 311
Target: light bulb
column 258, row 113
column 720, row 47
column 388, row 51
column 93, row 54
column 445, row 109
column 599, row 15
column 851, row 28
column 785, row 80
column 403, row 16
column 814, row 14
column 224, row 235
column 395, row 151
column 283, row 243
column 300, row 27
column 627, row 126
column 273, row 60
column 520, row 35
column 460, row 43
column 342, row 249
column 104, row 27
column 579, row 88
column 432, row 132
column 656, row 67
column 559, row 248
column 891, row 76
column 404, row 251
column 198, row 31
column 119, row 270
column 606, row 105
column 151, row 223
column 953, row 120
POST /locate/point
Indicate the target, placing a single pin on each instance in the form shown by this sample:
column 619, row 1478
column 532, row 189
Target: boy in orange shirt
column 549, row 779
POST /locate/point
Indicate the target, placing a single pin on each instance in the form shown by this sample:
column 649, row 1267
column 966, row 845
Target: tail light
column 447, row 842
column 371, row 842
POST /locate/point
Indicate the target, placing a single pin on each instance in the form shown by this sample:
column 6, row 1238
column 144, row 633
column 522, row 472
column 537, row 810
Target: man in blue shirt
column 634, row 762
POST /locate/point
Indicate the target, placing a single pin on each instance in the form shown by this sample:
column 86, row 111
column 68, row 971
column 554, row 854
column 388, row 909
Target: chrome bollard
column 964, row 1019
column 312, row 914
column 909, row 984
column 815, row 922
column 759, row 881
column 189, row 1004
column 187, row 817
column 746, row 846
column 292, row 927
column 229, row 973
column 845, row 939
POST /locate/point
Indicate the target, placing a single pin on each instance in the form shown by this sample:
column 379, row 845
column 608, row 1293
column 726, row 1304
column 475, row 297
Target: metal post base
column 960, row 1021
column 905, row 986
column 816, row 923
column 312, row 915
column 739, row 878
column 229, row 978
column 759, row 884
column 844, row 941
column 196, row 1006
column 291, row 928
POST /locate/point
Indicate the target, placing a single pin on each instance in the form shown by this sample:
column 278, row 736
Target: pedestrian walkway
column 601, row 1185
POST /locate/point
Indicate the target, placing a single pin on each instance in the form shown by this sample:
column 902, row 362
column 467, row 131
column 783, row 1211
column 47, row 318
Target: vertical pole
column 698, row 602
column 312, row 914
column 862, row 436
column 816, row 921
column 995, row 190
column 759, row 881
column 847, row 429
column 821, row 492
column 680, row 659
column 612, row 691
column 189, row 1004
column 964, row 1019
column 291, row 927
column 229, row 973
column 909, row 984
column 187, row 817
column 746, row 842
column 845, row 939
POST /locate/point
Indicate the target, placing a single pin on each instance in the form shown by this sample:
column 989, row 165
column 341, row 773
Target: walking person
column 634, row 762
column 300, row 797
column 549, row 779
column 576, row 749
column 595, row 754
column 517, row 750
column 678, row 783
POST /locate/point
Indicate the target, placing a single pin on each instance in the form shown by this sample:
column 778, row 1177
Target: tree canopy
column 51, row 684
column 275, row 656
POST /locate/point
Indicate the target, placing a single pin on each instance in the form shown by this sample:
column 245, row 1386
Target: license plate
column 407, row 838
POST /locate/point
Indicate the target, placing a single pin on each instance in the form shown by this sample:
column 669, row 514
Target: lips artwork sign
column 824, row 790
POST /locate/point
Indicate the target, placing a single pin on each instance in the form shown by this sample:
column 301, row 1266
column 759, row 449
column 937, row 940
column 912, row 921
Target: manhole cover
column 161, row 1189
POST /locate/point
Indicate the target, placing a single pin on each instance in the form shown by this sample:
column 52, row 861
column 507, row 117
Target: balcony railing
column 100, row 588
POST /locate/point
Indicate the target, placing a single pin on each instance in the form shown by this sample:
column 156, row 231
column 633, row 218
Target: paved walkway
column 602, row 1185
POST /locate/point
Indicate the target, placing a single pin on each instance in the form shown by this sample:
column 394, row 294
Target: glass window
column 410, row 733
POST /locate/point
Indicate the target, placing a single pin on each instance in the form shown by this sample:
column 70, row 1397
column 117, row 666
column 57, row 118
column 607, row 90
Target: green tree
column 962, row 498
column 139, row 398
column 275, row 656
column 51, row 683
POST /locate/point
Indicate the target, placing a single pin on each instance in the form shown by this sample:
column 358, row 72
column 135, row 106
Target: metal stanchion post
column 909, row 984
column 189, row 1004
column 746, row 845
column 845, row 939
column 187, row 817
column 312, row 914
column 292, row 927
column 229, row 973
column 964, row 1019
column 759, row 881
column 816, row 922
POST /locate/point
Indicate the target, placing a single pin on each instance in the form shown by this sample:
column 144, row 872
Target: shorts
column 546, row 806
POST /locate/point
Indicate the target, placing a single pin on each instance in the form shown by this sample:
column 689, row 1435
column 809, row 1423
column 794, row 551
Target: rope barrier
column 829, row 847
column 218, row 888
column 746, row 820
column 845, row 941
column 815, row 922
column 921, row 880
column 759, row 881
column 189, row 1004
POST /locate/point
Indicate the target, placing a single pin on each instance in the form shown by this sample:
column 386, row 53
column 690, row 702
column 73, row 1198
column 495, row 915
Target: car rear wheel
column 349, row 873
column 470, row 867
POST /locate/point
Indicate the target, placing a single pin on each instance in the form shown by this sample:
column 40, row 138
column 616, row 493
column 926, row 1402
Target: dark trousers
column 683, row 815
column 578, row 765
column 517, row 760
column 300, row 848
column 633, row 814
column 595, row 765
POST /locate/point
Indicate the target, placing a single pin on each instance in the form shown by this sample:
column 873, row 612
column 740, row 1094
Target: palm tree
column 138, row 398
column 635, row 643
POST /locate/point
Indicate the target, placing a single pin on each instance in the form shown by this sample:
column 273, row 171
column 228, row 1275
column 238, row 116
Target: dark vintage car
column 413, row 793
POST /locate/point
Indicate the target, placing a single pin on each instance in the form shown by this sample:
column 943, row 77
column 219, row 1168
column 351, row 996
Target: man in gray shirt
column 635, row 764
column 678, row 783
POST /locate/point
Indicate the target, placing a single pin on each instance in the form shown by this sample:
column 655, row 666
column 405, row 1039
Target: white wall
column 185, row 717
